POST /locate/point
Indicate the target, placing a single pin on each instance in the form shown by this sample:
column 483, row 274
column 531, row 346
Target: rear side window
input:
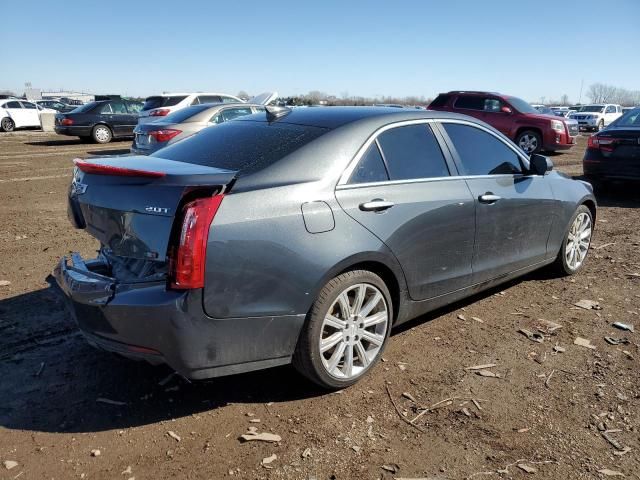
column 106, row 108
column 370, row 167
column 412, row 152
column 241, row 146
column 159, row 101
column 481, row 153
column 470, row 102
column 184, row 114
column 118, row 107
column 134, row 107
column 440, row 101
column 229, row 100
column 12, row 105
column 231, row 113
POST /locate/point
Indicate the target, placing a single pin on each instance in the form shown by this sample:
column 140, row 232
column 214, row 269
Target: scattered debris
column 127, row 471
column 355, row 448
column 95, row 452
column 306, row 453
column 462, row 317
column 616, row 341
column 9, row 464
column 604, row 245
column 4, row 283
column 588, row 305
column 546, row 382
column 523, row 430
column 392, row 467
column 583, row 342
column 477, row 319
column 533, row 336
column 253, row 435
column 559, row 349
column 369, row 419
column 466, row 412
column 110, row 402
column 269, row 459
column 488, row 373
column 527, row 468
column 611, row 473
column 402, row 417
column 174, row 435
column 547, row 326
column 254, row 420
column 614, row 443
column 476, row 403
column 633, row 275
column 628, row 354
column 408, row 396
column 482, row 367
column 622, row 452
column 623, row 326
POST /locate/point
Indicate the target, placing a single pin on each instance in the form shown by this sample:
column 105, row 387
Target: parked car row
column 16, row 113
column 597, row 116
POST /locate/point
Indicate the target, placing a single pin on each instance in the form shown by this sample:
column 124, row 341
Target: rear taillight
column 161, row 112
column 592, row 142
column 164, row 135
column 99, row 169
column 603, row 143
column 66, row 121
column 188, row 260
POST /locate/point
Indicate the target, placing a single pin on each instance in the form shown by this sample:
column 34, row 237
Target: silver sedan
column 150, row 137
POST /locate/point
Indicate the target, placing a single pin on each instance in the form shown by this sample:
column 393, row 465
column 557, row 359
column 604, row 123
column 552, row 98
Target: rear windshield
column 156, row 102
column 84, row 108
column 244, row 146
column 629, row 119
column 184, row 114
column 440, row 101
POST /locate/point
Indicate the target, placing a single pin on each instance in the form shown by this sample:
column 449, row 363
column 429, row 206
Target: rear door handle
column 376, row 205
column 489, row 198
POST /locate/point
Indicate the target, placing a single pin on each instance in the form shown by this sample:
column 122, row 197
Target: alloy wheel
column 528, row 143
column 578, row 241
column 353, row 331
column 7, row 124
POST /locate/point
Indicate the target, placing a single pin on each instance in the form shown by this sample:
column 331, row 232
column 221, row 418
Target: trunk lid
column 129, row 203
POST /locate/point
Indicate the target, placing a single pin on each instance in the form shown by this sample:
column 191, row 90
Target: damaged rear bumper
column 146, row 321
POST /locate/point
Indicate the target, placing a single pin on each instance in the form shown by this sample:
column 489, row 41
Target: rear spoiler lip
column 161, row 171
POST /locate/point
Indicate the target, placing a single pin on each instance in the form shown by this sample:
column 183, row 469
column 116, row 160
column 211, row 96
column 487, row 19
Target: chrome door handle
column 376, row 205
column 489, row 198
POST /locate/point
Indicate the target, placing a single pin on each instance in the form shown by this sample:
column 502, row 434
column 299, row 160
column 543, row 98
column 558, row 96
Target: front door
column 514, row 210
column 402, row 191
column 18, row 114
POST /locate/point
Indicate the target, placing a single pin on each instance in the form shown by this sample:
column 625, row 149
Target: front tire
column 529, row 141
column 7, row 124
column 600, row 126
column 346, row 330
column 101, row 134
column 576, row 242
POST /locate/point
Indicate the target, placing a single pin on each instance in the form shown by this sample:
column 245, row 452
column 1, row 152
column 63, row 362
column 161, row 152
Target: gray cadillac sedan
column 304, row 236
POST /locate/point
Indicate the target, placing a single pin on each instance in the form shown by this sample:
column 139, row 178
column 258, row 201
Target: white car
column 597, row 116
column 162, row 105
column 15, row 113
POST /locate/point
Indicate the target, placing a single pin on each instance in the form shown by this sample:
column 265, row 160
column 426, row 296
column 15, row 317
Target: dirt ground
column 548, row 410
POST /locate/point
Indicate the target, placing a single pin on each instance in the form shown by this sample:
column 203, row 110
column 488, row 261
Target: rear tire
column 7, row 124
column 600, row 126
column 101, row 134
column 575, row 243
column 529, row 141
column 346, row 330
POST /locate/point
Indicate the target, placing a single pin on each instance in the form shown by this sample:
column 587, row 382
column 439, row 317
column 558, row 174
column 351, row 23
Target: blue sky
column 529, row 49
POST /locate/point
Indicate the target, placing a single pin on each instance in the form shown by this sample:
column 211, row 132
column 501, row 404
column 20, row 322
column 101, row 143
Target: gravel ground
column 548, row 409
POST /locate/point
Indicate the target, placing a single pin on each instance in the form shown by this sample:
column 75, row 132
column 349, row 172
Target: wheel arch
column 385, row 266
column 522, row 129
column 591, row 205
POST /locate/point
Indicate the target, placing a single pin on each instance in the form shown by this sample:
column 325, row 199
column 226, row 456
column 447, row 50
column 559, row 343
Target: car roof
column 334, row 117
column 174, row 94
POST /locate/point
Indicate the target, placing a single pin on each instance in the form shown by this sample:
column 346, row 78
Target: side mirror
column 540, row 165
column 506, row 110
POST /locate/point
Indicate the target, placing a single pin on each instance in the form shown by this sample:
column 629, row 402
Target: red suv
column 514, row 117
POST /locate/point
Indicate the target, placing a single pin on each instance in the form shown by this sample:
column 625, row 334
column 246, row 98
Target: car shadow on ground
column 119, row 151
column 52, row 380
column 616, row 194
column 71, row 141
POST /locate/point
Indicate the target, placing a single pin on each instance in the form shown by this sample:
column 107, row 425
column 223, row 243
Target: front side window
column 492, row 105
column 611, row 109
column 28, row 105
column 481, row 153
column 370, row 167
column 412, row 152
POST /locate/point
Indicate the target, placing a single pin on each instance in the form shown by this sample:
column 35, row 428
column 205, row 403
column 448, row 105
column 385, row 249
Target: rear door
column 121, row 120
column 402, row 190
column 31, row 114
column 514, row 210
column 18, row 114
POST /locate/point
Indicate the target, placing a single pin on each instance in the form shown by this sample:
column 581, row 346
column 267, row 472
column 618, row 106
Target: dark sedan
column 56, row 105
column 305, row 235
column 100, row 121
column 614, row 153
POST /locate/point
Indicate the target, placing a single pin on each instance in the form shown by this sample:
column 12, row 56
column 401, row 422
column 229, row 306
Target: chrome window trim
column 343, row 183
